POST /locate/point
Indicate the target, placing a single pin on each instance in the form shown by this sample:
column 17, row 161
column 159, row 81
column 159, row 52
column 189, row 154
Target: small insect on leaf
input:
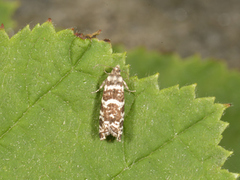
column 112, row 106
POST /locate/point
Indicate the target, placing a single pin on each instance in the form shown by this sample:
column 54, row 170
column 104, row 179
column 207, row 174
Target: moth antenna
column 126, row 74
column 104, row 67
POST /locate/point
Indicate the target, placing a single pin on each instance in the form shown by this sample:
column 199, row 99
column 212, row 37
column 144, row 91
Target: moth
column 112, row 105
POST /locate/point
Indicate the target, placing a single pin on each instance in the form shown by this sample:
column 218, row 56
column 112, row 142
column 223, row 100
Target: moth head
column 116, row 70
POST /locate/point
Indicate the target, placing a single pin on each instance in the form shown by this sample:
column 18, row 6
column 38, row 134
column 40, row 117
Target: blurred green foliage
column 7, row 9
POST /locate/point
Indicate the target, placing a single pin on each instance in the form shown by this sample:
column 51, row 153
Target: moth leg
column 119, row 137
column 100, row 87
column 125, row 84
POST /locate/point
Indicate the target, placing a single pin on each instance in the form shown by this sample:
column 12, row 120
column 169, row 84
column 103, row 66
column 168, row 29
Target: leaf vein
column 48, row 91
column 160, row 147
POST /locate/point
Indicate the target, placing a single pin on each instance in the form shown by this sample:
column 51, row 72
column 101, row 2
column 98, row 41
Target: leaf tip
column 49, row 20
column 156, row 75
column 230, row 153
column 2, row 26
column 227, row 105
column 236, row 175
column 194, row 85
column 80, row 35
column 107, row 40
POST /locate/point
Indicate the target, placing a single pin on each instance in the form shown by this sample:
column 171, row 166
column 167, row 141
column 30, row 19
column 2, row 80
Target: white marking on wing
column 112, row 101
column 111, row 87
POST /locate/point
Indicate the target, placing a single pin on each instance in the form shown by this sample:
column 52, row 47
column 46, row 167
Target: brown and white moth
column 112, row 108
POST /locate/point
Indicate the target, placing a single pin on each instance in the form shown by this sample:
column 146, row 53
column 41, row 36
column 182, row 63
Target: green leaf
column 49, row 117
column 6, row 11
column 213, row 79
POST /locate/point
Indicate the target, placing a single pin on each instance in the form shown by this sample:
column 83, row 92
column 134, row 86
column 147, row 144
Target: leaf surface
column 49, row 117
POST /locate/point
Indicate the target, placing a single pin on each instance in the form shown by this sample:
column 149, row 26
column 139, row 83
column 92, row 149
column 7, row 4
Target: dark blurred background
column 209, row 28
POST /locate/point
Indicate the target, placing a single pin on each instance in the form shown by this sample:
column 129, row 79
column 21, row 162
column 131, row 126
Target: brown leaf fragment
column 107, row 40
column 88, row 36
